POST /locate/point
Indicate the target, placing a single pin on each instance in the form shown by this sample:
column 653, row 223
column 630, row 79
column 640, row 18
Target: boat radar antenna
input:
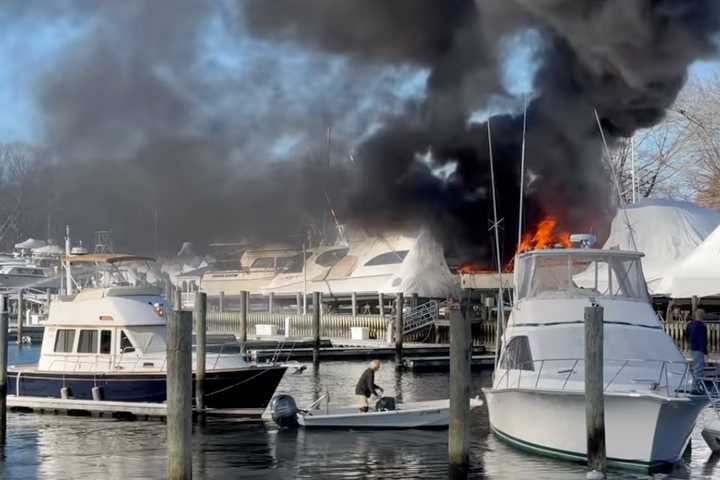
column 621, row 201
column 500, row 303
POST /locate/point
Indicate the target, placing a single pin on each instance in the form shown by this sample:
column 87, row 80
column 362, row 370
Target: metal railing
column 422, row 316
column 529, row 375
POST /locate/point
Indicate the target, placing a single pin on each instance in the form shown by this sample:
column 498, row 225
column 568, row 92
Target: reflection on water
column 49, row 446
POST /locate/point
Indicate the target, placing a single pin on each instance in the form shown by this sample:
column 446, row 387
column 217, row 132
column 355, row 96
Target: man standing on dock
column 366, row 386
column 697, row 331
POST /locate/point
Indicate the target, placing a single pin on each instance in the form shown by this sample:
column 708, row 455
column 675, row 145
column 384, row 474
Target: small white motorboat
column 429, row 414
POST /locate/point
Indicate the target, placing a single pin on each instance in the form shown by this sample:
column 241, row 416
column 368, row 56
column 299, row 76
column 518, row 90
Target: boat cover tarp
column 666, row 231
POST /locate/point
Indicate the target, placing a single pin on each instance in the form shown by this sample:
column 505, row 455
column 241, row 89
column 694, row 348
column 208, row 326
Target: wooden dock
column 349, row 350
column 442, row 363
column 121, row 410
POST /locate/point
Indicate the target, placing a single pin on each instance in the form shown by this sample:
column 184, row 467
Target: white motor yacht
column 537, row 400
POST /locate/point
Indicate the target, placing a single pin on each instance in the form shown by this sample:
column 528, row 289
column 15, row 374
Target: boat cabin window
column 577, row 275
column 105, row 341
column 64, row 340
column 88, row 341
column 126, row 345
column 517, row 355
column 263, row 262
column 149, row 339
column 331, row 257
column 292, row 264
column 388, row 258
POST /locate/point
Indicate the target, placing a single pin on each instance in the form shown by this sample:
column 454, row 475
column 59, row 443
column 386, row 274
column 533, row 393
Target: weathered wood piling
column 399, row 325
column 244, row 306
column 460, row 354
column 594, row 383
column 179, row 393
column 200, row 314
column 20, row 316
column 316, row 329
column 4, row 326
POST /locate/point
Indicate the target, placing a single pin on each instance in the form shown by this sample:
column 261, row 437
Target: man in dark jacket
column 697, row 333
column 366, row 387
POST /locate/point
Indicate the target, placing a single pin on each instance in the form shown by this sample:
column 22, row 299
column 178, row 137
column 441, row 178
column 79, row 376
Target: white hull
column 642, row 431
column 433, row 414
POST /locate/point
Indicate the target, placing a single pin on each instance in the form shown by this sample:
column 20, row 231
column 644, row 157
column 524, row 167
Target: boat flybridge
column 537, row 398
column 109, row 342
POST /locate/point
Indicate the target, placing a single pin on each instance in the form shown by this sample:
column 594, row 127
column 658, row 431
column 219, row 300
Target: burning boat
column 537, row 399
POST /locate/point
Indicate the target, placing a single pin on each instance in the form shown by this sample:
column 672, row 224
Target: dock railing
column 677, row 329
column 331, row 325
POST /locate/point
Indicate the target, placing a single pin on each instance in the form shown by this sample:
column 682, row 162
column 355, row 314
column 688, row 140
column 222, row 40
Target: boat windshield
column 148, row 339
column 578, row 275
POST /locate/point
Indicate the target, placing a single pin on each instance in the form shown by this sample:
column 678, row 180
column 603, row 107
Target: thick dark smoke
column 143, row 121
column 627, row 60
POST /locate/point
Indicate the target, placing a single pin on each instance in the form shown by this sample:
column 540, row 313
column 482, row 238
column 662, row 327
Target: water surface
column 59, row 447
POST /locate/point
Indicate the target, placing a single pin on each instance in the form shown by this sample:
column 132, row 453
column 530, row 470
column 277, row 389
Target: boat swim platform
column 114, row 409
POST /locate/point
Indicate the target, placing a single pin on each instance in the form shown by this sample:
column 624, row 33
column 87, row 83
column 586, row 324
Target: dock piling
column 316, row 329
column 200, row 313
column 221, row 302
column 244, row 305
column 594, row 398
column 179, row 394
column 4, row 324
column 400, row 300
column 271, row 302
column 298, row 303
column 460, row 355
column 353, row 304
column 381, row 305
column 20, row 316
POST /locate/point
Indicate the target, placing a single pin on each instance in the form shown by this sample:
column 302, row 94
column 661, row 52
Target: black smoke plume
column 140, row 131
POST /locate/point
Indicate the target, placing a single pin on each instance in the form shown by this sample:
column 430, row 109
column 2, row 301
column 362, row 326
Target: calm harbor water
column 59, row 447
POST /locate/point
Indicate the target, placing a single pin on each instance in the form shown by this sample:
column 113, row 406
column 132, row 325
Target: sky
column 29, row 50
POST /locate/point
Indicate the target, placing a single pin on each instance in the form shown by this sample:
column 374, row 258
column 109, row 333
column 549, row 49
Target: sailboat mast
column 632, row 169
column 500, row 303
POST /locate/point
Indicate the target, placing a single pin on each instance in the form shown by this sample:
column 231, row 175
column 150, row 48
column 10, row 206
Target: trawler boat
column 537, row 398
column 109, row 343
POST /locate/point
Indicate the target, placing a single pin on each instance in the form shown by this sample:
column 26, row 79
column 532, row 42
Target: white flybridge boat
column 537, row 398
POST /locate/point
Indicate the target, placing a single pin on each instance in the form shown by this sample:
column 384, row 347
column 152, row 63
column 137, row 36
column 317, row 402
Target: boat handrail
column 683, row 384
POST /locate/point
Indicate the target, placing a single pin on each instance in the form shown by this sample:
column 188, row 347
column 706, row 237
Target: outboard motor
column 284, row 411
column 385, row 404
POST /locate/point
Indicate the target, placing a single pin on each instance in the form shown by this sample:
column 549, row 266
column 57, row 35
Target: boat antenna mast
column 522, row 179
column 496, row 227
column 621, row 201
column 68, row 272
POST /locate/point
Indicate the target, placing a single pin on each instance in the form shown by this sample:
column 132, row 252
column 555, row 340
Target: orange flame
column 545, row 237
column 469, row 268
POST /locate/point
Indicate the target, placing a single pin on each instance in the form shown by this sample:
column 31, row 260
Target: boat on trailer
column 428, row 414
column 109, row 343
column 537, row 400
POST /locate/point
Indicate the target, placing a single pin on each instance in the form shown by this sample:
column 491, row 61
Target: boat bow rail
column 625, row 376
